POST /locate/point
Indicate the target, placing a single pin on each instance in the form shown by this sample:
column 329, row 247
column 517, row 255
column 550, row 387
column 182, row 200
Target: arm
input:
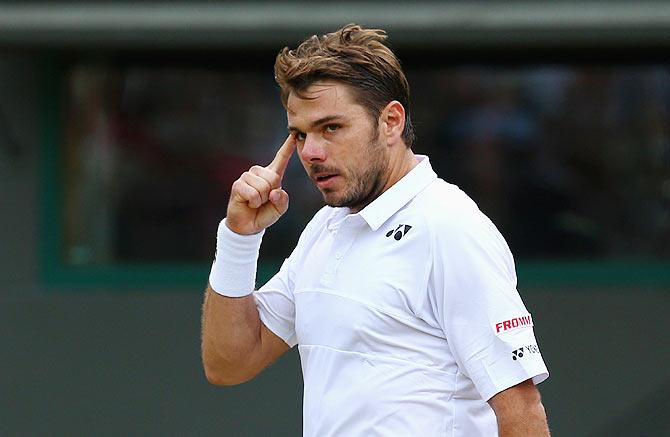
column 236, row 345
column 519, row 411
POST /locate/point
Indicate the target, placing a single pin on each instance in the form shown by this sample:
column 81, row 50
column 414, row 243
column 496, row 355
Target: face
column 338, row 145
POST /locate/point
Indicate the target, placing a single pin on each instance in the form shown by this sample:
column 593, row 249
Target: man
column 400, row 293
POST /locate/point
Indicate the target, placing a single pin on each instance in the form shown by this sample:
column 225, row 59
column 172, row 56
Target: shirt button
column 338, row 255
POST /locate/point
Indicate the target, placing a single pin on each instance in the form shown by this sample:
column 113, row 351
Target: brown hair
column 354, row 56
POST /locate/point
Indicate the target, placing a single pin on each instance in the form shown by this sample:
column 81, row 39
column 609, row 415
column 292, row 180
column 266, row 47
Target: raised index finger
column 279, row 164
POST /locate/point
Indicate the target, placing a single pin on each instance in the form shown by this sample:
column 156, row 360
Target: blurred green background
column 123, row 124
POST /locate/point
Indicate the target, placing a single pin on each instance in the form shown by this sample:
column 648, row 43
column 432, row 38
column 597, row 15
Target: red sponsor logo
column 512, row 323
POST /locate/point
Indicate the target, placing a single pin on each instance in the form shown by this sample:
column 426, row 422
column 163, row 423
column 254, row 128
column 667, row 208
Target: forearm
column 531, row 423
column 519, row 411
column 231, row 335
column 235, row 344
column 230, row 322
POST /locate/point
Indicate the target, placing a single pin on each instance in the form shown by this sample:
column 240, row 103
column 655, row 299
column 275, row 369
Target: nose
column 312, row 150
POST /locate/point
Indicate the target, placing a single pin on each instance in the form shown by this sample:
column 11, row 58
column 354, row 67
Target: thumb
column 279, row 199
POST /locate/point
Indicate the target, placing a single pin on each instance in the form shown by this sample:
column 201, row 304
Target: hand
column 256, row 199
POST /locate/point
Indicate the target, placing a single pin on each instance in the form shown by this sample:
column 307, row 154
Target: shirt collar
column 399, row 194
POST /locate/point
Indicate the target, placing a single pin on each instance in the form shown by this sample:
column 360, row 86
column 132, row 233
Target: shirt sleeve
column 275, row 302
column 478, row 307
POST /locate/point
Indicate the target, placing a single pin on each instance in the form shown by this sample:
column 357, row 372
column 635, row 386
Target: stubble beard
column 366, row 186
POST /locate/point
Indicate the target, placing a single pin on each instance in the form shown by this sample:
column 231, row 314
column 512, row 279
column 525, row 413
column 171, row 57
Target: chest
column 357, row 288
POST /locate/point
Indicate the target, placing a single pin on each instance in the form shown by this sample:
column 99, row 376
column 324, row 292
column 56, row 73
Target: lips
column 324, row 180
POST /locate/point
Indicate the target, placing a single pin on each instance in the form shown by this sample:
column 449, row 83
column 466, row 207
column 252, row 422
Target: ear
column 392, row 120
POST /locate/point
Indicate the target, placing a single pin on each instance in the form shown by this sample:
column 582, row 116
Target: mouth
column 324, row 180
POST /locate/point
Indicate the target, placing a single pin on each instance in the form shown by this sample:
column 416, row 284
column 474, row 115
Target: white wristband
column 234, row 269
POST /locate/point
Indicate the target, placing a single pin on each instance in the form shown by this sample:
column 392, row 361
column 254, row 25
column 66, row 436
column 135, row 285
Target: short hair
column 351, row 55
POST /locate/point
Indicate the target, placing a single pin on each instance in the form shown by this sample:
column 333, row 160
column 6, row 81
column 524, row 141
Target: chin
column 343, row 203
column 333, row 201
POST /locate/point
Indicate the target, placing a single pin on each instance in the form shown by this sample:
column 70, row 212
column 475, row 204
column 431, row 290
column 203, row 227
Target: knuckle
column 236, row 186
column 268, row 184
column 256, row 169
column 258, row 179
column 273, row 179
column 265, row 179
column 243, row 190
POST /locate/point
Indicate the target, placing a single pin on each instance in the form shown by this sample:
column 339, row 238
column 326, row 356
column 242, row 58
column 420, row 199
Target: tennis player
column 400, row 294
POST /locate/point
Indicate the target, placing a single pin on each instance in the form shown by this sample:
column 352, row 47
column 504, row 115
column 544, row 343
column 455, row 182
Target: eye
column 300, row 136
column 330, row 128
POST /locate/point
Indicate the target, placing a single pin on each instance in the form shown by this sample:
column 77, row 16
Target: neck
column 400, row 164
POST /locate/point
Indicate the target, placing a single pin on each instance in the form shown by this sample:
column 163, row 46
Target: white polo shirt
column 406, row 315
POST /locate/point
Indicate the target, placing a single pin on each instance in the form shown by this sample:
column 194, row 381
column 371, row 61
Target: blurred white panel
column 264, row 23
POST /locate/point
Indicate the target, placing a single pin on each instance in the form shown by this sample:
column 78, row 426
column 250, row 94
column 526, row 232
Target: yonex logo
column 530, row 349
column 398, row 233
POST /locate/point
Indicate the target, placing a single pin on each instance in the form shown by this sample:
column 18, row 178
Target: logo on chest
column 399, row 232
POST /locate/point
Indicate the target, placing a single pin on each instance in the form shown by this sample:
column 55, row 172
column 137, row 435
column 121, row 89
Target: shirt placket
column 344, row 236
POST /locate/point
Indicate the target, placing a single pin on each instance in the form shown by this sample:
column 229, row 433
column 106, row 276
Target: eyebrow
column 318, row 122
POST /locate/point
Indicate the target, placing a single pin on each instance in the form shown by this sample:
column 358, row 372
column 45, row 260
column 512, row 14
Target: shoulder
column 468, row 251
column 457, row 225
column 448, row 209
